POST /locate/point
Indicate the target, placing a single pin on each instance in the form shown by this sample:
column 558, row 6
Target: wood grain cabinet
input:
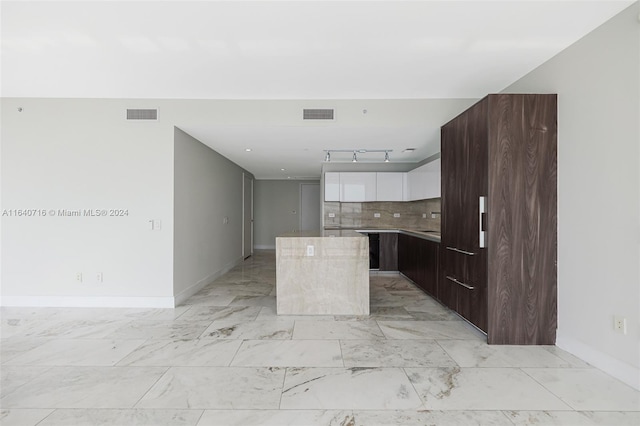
column 499, row 228
column 419, row 260
column 388, row 251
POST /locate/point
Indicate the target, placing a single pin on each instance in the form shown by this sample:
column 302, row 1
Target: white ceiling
column 286, row 50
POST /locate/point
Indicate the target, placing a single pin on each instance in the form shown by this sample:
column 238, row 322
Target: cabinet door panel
column 388, row 251
column 357, row 187
column 332, row 186
column 389, row 186
column 430, row 268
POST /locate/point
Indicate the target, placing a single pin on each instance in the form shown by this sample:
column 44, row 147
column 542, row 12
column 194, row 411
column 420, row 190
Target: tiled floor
column 225, row 358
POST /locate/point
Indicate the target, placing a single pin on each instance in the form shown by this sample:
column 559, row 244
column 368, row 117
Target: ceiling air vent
column 317, row 114
column 142, row 114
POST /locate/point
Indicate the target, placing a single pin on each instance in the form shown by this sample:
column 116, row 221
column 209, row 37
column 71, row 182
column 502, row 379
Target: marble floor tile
column 223, row 357
column 262, row 301
column 78, row 352
column 277, row 418
column 129, row 417
column 337, row 330
column 426, row 305
column 475, row 353
column 84, row 387
column 216, row 388
column 269, row 314
column 76, row 329
column 344, row 388
column 20, row 327
column 427, row 417
column 219, row 313
column 435, row 315
column 289, row 353
column 13, row 377
column 141, row 329
column 587, row 389
column 15, row 346
column 184, row 353
column 630, row 418
column 150, row 314
column 573, row 418
column 394, row 353
column 23, row 417
column 210, row 300
column 252, row 330
column 389, row 313
column 572, row 360
column 481, row 389
column 429, row 330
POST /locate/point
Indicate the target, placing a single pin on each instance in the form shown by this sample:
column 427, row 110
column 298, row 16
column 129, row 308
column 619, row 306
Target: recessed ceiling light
column 248, row 149
column 283, row 169
column 409, row 150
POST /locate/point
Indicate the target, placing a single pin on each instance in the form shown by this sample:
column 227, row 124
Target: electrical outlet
column 376, row 215
column 620, row 324
column 79, row 277
column 332, row 215
column 396, row 215
column 424, row 215
column 310, row 250
column 99, row 277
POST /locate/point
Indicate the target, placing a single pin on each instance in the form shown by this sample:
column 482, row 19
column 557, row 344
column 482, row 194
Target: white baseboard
column 620, row 370
column 193, row 289
column 264, row 247
column 87, row 302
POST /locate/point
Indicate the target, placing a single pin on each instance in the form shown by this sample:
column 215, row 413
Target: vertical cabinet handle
column 482, row 210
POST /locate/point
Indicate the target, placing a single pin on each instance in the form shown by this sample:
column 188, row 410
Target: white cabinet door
column 357, row 187
column 424, row 182
column 389, row 186
column 332, row 186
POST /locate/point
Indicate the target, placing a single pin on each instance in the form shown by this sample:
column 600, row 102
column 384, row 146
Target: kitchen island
column 322, row 273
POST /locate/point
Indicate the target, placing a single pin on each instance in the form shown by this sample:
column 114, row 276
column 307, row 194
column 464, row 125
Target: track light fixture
column 354, row 157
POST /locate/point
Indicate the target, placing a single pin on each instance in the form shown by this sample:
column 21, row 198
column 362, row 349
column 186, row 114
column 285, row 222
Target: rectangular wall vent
column 142, row 114
column 317, row 114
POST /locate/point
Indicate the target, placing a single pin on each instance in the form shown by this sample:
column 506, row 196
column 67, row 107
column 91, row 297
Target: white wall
column 277, row 210
column 597, row 82
column 207, row 188
column 82, row 154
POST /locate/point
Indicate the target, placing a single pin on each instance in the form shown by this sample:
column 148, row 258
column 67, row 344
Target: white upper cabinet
column 357, row 187
column 424, row 182
column 418, row 184
column 332, row 186
column 390, row 186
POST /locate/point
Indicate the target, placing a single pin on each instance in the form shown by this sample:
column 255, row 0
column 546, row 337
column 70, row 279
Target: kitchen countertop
column 331, row 233
column 428, row 235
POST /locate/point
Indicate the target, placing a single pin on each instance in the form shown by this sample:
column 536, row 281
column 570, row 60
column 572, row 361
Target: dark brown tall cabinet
column 499, row 229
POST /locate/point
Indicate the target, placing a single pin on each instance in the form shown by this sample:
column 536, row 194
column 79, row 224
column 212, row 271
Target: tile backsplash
column 400, row 214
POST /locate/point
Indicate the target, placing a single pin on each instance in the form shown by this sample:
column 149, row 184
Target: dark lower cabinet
column 418, row 260
column 388, row 251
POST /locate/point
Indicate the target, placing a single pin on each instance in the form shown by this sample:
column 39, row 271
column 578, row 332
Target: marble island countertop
column 427, row 235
